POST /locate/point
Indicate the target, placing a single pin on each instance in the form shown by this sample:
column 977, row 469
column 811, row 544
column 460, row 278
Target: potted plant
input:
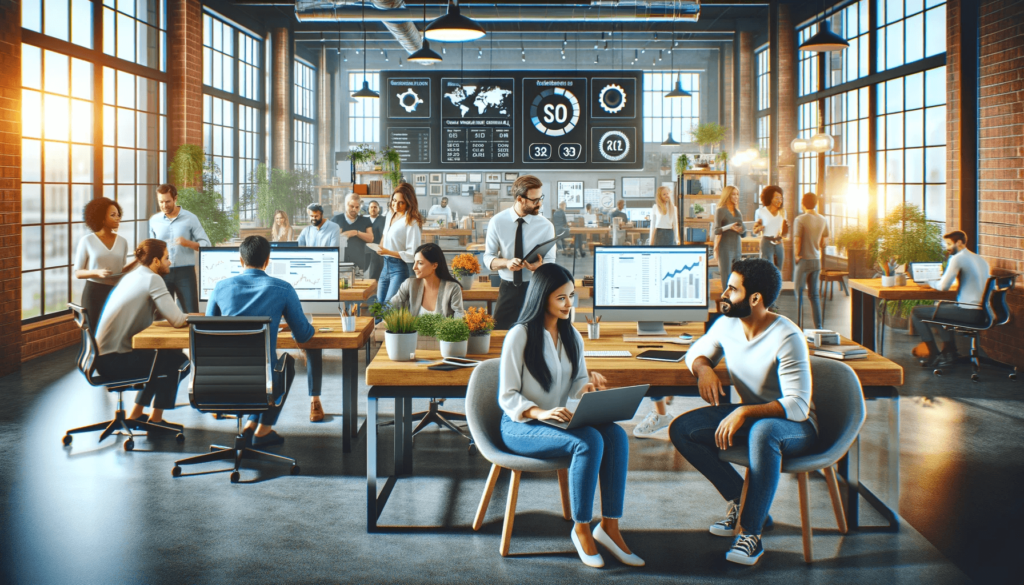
column 904, row 236
column 426, row 326
column 682, row 164
column 465, row 267
column 721, row 159
column 453, row 333
column 708, row 134
column 854, row 241
column 199, row 178
column 480, row 326
column 391, row 165
column 362, row 157
column 400, row 336
column 698, row 209
column 664, row 165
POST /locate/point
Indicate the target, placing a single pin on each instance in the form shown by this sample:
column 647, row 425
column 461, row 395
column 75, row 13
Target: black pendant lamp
column 824, row 41
column 425, row 54
column 670, row 141
column 365, row 92
column 453, row 27
column 677, row 91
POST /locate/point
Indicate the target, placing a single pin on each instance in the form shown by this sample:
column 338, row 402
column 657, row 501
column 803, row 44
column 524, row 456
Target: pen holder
column 348, row 324
column 593, row 330
column 901, row 279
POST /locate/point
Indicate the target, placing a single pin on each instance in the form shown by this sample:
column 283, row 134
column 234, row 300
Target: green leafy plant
column 391, row 165
column 708, row 134
column 698, row 208
column 362, row 154
column 853, row 238
column 905, row 236
column 427, row 324
column 453, row 330
column 207, row 204
column 682, row 164
column 188, row 165
column 722, row 157
column 272, row 189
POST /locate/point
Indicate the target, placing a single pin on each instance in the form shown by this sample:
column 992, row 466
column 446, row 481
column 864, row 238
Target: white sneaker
column 651, row 425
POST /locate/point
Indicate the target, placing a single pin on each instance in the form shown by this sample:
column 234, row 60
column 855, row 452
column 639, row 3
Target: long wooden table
column 360, row 290
column 870, row 298
column 463, row 234
column 162, row 336
column 403, row 381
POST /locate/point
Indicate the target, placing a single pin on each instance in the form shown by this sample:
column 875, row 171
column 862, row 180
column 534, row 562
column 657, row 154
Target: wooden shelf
column 369, row 172
column 701, row 196
column 703, row 173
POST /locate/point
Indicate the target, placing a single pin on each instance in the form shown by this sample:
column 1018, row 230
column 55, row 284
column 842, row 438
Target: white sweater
column 667, row 221
column 518, row 390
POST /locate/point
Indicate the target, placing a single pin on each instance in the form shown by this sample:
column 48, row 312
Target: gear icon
column 612, row 98
column 411, row 107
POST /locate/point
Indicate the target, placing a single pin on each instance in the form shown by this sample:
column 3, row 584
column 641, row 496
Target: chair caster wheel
column 975, row 378
column 129, row 445
column 294, row 470
column 67, row 438
column 175, row 471
column 212, row 448
column 180, row 438
column 235, row 476
column 938, row 373
column 1012, row 377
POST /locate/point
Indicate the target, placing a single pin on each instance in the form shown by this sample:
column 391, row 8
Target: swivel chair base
column 976, row 360
column 121, row 425
column 441, row 418
column 239, row 452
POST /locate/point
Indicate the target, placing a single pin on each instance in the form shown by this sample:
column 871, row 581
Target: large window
column 363, row 114
column 133, row 30
column 852, row 24
column 807, row 162
column 219, row 143
column 807, row 66
column 846, row 119
column 910, row 30
column 676, row 115
column 764, row 69
column 304, row 106
column 61, row 19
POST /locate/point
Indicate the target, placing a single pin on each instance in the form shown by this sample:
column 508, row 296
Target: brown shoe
column 316, row 412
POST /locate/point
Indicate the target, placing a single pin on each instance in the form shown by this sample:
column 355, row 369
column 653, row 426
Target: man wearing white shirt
column 511, row 234
column 442, row 209
column 320, row 233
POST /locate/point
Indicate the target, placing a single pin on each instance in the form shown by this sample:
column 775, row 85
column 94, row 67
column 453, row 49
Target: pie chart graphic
column 555, row 111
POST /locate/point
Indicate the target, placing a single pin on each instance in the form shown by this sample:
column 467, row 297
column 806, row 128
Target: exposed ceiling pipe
column 622, row 11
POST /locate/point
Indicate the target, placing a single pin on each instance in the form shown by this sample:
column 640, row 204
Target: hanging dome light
column 800, row 145
column 822, row 142
column 366, row 92
column 670, row 141
column 425, row 55
column 678, row 91
column 453, row 27
column 824, row 41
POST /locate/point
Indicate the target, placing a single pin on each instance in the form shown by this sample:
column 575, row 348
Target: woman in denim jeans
column 542, row 366
column 402, row 235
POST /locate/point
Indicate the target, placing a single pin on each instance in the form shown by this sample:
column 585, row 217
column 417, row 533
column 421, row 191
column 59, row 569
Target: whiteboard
column 639, row 187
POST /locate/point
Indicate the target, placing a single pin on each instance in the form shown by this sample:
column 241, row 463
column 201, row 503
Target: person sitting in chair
column 972, row 273
column 254, row 293
column 769, row 366
column 433, row 290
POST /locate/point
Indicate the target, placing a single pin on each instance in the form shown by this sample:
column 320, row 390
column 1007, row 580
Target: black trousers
column 281, row 383
column 510, row 304
column 162, row 389
column 94, row 295
column 945, row 312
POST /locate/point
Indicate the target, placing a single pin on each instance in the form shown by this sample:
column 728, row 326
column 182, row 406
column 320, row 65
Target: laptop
column 604, row 406
column 924, row 272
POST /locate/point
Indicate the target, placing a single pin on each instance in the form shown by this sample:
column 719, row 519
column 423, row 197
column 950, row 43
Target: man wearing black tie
column 511, row 234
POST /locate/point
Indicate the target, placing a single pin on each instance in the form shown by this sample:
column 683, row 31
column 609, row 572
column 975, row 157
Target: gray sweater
column 131, row 307
column 449, row 298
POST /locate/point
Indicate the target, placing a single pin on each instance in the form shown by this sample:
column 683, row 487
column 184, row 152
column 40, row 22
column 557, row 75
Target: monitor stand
column 651, row 328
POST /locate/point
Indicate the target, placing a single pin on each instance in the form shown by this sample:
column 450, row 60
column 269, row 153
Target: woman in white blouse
column 664, row 220
column 402, row 235
column 771, row 225
column 101, row 256
column 542, row 367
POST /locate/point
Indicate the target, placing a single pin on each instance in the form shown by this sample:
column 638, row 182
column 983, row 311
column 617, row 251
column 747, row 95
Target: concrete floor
column 93, row 513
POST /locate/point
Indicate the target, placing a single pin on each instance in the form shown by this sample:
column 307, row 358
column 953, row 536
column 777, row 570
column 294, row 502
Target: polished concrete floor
column 93, row 513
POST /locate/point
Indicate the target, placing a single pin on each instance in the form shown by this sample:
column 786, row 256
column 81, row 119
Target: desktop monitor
column 651, row 285
column 313, row 272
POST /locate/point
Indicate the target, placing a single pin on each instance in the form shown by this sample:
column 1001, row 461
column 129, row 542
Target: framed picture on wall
column 475, row 177
column 436, row 189
column 435, row 177
column 494, row 186
column 456, row 177
column 493, row 177
column 420, row 179
column 639, row 187
column 571, row 193
column 421, row 189
column 606, row 184
column 452, row 189
column 508, row 190
column 509, row 177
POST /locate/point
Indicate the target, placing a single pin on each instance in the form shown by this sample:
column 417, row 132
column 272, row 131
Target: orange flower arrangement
column 478, row 320
column 465, row 265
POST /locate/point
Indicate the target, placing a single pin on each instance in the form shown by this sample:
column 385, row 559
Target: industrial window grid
column 909, row 30
column 303, row 107
column 363, row 114
column 676, row 115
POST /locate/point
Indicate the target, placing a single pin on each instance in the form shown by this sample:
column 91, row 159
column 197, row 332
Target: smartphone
column 326, row 329
column 460, row 362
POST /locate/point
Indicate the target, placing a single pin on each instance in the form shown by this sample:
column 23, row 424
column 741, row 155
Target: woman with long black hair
column 542, row 367
column 434, row 289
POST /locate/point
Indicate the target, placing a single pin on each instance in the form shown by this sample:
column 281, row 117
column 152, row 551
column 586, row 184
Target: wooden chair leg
column 837, row 500
column 485, row 500
column 805, row 517
column 510, row 513
column 563, row 489
column 743, row 500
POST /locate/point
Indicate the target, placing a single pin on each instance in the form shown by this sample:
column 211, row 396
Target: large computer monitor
column 651, row 285
column 313, row 272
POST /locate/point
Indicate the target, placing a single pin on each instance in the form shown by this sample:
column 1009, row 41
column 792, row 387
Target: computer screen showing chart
column 651, row 285
column 312, row 272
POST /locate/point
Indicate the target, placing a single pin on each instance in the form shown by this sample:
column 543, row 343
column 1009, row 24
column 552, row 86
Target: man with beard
column 511, row 234
column 770, row 369
column 320, row 232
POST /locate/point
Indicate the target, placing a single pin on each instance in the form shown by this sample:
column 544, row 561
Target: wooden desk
column 430, row 234
column 590, row 230
column 403, row 381
column 361, row 290
column 163, row 336
column 867, row 323
column 483, row 291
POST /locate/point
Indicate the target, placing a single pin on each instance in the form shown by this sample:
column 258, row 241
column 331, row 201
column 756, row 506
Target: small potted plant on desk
column 480, row 326
column 465, row 267
column 453, row 333
column 401, row 335
column 426, row 325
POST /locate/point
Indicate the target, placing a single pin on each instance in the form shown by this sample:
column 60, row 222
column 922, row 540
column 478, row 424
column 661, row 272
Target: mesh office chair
column 996, row 313
column 231, row 375
column 120, row 425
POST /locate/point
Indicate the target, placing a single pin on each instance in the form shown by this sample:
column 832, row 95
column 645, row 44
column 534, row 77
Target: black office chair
column 120, row 425
column 996, row 313
column 231, row 375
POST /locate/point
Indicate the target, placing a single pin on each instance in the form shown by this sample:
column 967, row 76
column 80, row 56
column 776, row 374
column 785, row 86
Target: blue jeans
column 808, row 273
column 598, row 453
column 768, row 440
column 391, row 278
column 774, row 253
column 182, row 284
column 314, row 370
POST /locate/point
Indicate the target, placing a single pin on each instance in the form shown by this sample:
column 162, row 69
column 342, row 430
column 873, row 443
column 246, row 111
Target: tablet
column 660, row 355
column 542, row 249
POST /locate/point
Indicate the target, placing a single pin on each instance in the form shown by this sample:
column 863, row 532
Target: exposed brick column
column 745, row 116
column 728, row 98
column 325, row 149
column 281, row 98
column 185, row 73
column 785, row 109
column 10, row 186
column 952, row 113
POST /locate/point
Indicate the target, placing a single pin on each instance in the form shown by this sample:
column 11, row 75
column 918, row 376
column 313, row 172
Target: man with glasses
column 511, row 234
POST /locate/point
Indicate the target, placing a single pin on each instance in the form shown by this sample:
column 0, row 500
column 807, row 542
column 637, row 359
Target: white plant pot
column 467, row 281
column 401, row 346
column 888, row 281
column 479, row 344
column 454, row 348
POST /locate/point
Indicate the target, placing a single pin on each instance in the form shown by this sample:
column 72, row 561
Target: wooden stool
column 828, row 279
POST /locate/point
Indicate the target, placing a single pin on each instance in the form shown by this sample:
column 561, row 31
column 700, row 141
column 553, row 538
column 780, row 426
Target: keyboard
column 607, row 354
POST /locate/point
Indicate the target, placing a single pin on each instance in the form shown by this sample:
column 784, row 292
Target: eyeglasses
column 541, row 198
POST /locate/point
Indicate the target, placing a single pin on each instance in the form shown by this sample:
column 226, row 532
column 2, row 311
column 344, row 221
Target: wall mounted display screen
column 514, row 119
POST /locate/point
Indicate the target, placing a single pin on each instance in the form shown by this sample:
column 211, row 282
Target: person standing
column 377, row 223
column 561, row 224
column 357, row 228
column 618, row 235
column 729, row 232
column 101, row 256
column 184, row 235
column 771, row 224
column 403, row 233
column 809, row 232
column 282, row 230
column 321, row 232
column 511, row 234
column 664, row 220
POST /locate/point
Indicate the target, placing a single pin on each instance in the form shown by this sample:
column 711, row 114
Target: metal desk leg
column 349, row 397
column 893, row 453
column 849, row 469
column 862, row 325
column 371, row 464
column 399, row 436
column 882, row 308
column 407, row 436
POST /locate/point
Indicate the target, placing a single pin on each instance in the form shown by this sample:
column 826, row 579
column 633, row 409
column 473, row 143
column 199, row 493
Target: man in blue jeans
column 770, row 369
column 253, row 293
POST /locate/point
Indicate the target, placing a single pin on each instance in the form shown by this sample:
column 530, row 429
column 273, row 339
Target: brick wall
column 745, row 116
column 185, row 73
column 728, row 98
column 786, row 112
column 39, row 339
column 953, row 60
column 10, row 186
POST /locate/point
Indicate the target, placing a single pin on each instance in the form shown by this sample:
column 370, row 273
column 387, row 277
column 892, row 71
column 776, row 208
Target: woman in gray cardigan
column 433, row 290
column 729, row 232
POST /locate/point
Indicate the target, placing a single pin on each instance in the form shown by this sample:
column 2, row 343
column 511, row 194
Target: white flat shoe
column 589, row 560
column 631, row 559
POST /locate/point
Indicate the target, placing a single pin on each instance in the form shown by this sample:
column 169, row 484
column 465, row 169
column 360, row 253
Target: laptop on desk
column 924, row 273
column 604, row 406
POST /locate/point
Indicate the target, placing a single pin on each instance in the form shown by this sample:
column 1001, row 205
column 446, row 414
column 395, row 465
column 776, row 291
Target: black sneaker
column 727, row 527
column 746, row 550
column 946, row 359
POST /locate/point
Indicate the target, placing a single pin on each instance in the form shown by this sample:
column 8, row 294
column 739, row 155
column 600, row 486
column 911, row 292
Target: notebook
column 841, row 352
